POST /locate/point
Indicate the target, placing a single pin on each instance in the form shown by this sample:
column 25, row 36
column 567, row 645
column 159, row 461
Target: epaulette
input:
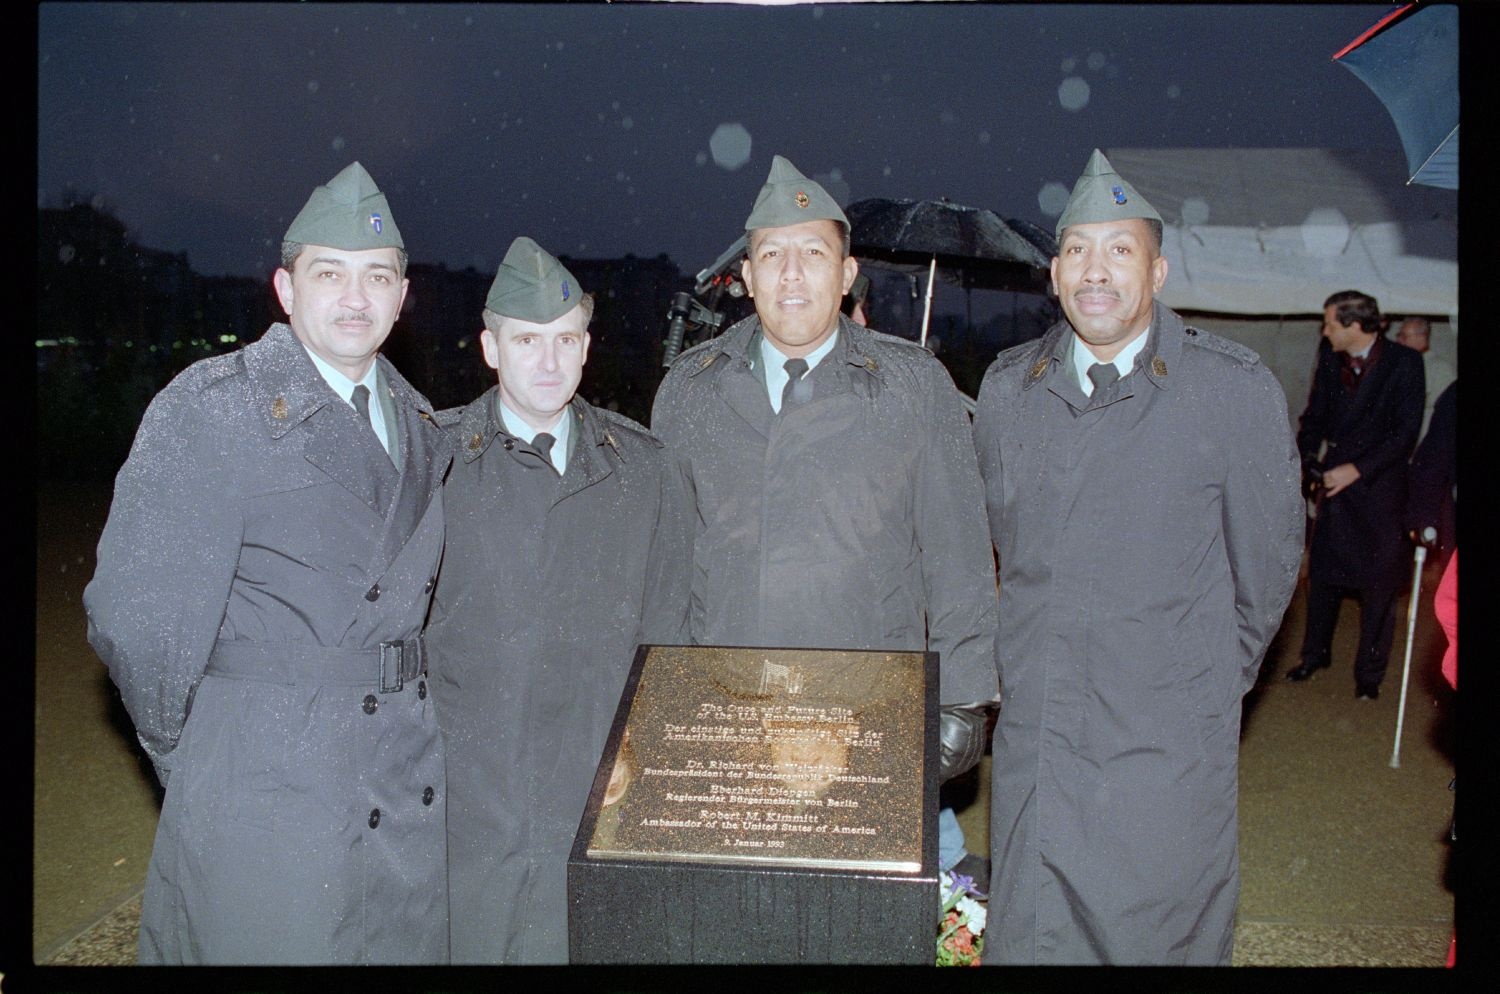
column 628, row 425
column 1220, row 344
column 898, row 345
column 697, row 354
column 1016, row 354
column 205, row 373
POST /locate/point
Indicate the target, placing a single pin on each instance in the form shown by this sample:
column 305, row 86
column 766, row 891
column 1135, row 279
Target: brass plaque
column 808, row 758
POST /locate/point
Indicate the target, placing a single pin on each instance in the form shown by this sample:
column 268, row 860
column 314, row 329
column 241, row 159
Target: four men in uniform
column 275, row 537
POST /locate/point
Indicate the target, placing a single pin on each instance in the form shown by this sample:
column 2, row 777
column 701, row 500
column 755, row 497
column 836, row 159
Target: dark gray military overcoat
column 853, row 521
column 260, row 547
column 1149, row 539
column 547, row 586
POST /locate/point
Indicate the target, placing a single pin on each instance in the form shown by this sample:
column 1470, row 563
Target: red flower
column 965, row 940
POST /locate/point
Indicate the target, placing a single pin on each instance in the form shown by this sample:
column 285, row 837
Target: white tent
column 1257, row 238
column 1274, row 231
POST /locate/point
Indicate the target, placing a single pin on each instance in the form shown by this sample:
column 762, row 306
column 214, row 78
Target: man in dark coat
column 566, row 547
column 261, row 585
column 1142, row 493
column 1365, row 407
column 832, row 469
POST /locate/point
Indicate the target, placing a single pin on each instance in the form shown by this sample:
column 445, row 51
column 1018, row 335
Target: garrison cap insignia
column 801, row 199
column 377, row 223
column 1038, row 369
column 1119, row 192
column 565, row 290
column 278, row 408
column 1158, row 366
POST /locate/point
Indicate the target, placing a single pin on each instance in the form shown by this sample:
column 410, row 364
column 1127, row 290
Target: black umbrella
column 972, row 246
column 1410, row 60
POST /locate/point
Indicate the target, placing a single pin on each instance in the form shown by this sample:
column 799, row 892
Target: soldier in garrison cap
column 261, row 586
column 566, row 547
column 838, row 500
column 1141, row 484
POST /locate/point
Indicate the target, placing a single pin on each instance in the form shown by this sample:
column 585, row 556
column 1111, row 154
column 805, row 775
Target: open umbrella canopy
column 1410, row 60
column 973, row 246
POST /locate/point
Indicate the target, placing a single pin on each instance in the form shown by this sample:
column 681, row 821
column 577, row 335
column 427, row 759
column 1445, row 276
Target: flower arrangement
column 961, row 922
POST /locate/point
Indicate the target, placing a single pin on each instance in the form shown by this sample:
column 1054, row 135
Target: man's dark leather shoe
column 1367, row 693
column 1304, row 671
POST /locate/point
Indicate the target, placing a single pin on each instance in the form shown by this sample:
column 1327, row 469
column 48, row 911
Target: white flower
column 973, row 913
column 946, row 890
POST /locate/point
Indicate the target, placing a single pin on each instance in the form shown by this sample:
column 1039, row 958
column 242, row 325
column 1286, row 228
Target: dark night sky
column 591, row 128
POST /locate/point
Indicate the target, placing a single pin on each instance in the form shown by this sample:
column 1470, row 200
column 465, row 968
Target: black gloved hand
column 961, row 737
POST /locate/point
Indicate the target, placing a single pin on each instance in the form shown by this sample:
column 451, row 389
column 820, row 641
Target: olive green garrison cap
column 349, row 212
column 791, row 198
column 531, row 285
column 1101, row 194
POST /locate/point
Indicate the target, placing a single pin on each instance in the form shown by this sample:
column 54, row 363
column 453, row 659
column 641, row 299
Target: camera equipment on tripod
column 687, row 313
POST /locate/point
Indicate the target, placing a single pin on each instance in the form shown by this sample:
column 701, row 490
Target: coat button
column 374, row 817
column 373, row 594
column 371, row 703
column 427, row 795
column 422, row 690
column 428, row 588
column 510, row 443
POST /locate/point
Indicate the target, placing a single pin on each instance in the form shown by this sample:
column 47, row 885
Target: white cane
column 1420, row 556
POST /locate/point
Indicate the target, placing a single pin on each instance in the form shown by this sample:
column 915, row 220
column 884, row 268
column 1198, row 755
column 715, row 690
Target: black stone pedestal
column 665, row 912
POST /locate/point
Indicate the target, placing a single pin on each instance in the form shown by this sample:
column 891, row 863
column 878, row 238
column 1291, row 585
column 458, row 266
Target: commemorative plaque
column 738, row 780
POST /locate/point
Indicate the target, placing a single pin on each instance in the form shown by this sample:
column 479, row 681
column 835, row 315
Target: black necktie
column 361, row 401
column 1102, row 374
column 795, row 370
column 543, row 443
column 360, row 398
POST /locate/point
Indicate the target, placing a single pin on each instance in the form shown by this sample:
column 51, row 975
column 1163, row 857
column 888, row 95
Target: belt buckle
column 391, row 679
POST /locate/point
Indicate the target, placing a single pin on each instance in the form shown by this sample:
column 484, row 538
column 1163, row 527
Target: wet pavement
column 1344, row 860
